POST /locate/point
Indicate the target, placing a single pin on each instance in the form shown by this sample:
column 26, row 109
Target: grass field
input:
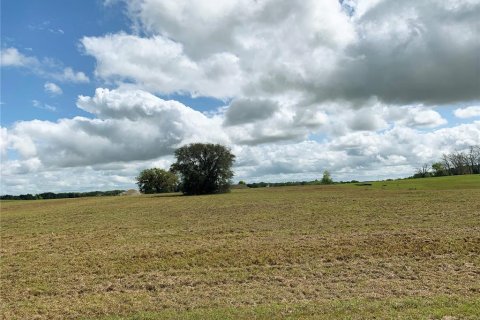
column 437, row 183
column 316, row 252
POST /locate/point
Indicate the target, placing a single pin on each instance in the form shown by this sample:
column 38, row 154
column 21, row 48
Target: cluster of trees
column 62, row 195
column 199, row 169
column 456, row 163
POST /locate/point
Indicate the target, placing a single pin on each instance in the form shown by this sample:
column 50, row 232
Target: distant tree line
column 452, row 164
column 62, row 195
column 292, row 183
column 326, row 179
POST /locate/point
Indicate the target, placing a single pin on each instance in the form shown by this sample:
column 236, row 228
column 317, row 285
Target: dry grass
column 299, row 252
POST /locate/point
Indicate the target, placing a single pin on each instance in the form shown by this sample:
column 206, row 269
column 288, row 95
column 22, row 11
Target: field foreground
column 316, row 252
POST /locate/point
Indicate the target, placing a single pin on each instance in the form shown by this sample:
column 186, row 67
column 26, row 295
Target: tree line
column 452, row 164
column 61, row 195
column 326, row 179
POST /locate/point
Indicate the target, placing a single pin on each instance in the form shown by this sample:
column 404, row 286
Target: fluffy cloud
column 160, row 65
column 52, row 89
column 133, row 125
column 468, row 112
column 222, row 50
column 243, row 26
column 420, row 117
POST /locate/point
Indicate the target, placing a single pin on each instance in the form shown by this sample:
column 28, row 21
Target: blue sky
column 51, row 30
column 292, row 88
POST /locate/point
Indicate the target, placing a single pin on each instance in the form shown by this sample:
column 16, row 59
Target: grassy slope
column 299, row 252
column 437, row 183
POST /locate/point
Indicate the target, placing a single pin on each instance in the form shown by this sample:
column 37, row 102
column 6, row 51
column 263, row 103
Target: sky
column 93, row 92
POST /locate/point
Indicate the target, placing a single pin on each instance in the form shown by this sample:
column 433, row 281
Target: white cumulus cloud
column 133, row 125
column 468, row 112
column 160, row 65
column 52, row 89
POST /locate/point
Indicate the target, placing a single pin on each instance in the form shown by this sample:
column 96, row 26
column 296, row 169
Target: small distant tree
column 326, row 179
column 241, row 182
column 157, row 180
column 204, row 168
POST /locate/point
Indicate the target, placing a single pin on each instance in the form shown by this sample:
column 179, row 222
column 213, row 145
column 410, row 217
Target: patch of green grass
column 407, row 308
column 308, row 252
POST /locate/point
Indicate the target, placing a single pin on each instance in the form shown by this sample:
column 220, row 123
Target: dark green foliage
column 260, row 185
column 157, row 180
column 204, row 168
column 326, row 179
column 439, row 169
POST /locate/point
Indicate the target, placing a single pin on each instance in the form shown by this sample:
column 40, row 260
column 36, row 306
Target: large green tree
column 204, row 168
column 157, row 180
column 327, row 178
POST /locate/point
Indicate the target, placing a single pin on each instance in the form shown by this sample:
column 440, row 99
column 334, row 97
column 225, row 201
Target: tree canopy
column 157, row 180
column 327, row 179
column 204, row 168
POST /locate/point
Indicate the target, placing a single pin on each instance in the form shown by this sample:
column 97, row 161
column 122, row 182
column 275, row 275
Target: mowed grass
column 315, row 252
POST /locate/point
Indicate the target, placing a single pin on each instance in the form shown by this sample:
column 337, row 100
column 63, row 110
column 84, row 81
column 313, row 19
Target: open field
column 316, row 252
